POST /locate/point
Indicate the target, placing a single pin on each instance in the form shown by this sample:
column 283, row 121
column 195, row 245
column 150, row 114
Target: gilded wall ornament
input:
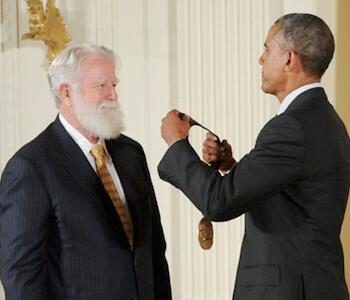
column 47, row 26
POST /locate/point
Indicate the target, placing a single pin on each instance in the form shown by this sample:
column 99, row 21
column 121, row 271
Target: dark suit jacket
column 293, row 187
column 60, row 236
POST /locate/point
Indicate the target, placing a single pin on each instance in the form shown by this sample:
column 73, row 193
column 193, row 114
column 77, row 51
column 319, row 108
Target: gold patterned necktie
column 98, row 153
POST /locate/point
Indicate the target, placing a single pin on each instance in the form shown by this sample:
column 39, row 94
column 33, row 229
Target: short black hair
column 310, row 37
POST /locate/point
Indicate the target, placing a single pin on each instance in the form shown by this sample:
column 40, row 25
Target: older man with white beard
column 78, row 214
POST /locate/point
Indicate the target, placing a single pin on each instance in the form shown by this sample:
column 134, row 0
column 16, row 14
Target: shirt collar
column 291, row 96
column 83, row 143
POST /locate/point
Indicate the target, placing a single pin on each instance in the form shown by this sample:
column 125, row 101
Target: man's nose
column 260, row 60
column 112, row 93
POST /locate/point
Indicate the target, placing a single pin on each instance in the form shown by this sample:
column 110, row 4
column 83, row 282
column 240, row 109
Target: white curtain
column 199, row 56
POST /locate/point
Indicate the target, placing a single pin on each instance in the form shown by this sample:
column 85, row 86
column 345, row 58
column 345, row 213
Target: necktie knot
column 98, row 152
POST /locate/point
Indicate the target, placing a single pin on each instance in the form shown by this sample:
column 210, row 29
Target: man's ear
column 293, row 62
column 65, row 91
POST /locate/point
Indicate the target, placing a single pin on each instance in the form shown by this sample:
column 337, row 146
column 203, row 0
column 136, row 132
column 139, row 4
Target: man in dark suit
column 292, row 186
column 61, row 236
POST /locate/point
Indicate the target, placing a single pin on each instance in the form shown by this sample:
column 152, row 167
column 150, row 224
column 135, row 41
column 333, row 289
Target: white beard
column 103, row 121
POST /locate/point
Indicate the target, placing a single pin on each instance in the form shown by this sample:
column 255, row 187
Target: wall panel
column 200, row 56
column 342, row 104
column 218, row 84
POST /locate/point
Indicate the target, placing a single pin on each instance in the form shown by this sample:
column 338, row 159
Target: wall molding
column 9, row 114
column 197, row 56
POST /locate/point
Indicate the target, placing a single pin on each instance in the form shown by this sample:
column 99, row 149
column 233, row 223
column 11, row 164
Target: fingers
column 176, row 115
column 226, row 147
column 173, row 128
column 209, row 157
column 173, row 112
column 211, row 136
column 183, row 117
column 208, row 143
column 172, row 116
column 227, row 159
column 210, row 150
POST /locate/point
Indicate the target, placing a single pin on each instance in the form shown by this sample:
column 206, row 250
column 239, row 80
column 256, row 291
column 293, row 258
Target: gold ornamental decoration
column 47, row 26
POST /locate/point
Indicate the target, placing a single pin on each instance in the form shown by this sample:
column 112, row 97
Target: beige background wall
column 199, row 56
column 343, row 102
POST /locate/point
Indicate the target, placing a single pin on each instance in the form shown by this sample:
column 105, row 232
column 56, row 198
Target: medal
column 205, row 227
column 205, row 233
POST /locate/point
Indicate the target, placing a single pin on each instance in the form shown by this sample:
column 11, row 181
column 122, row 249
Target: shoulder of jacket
column 36, row 146
column 282, row 121
column 128, row 142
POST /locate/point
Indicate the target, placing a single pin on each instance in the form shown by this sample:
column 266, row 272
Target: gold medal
column 205, row 227
column 205, row 233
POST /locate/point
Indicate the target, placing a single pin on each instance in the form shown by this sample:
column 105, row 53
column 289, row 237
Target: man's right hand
column 174, row 128
column 213, row 152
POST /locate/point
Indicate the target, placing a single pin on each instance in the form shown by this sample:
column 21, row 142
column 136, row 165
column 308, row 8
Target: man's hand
column 173, row 128
column 213, row 152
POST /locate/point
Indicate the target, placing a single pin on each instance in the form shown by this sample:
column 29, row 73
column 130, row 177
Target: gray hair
column 310, row 37
column 66, row 66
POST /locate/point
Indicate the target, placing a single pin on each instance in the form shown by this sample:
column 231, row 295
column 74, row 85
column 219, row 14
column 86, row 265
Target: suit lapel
column 75, row 163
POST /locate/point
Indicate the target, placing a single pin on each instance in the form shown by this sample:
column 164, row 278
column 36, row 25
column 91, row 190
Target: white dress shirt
column 291, row 96
column 85, row 147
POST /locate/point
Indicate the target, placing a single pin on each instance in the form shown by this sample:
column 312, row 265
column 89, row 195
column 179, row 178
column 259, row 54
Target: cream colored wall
column 343, row 103
column 198, row 56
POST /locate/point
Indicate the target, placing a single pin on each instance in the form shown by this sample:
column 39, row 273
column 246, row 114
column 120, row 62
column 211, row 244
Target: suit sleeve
column 275, row 161
column 162, row 287
column 24, row 211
